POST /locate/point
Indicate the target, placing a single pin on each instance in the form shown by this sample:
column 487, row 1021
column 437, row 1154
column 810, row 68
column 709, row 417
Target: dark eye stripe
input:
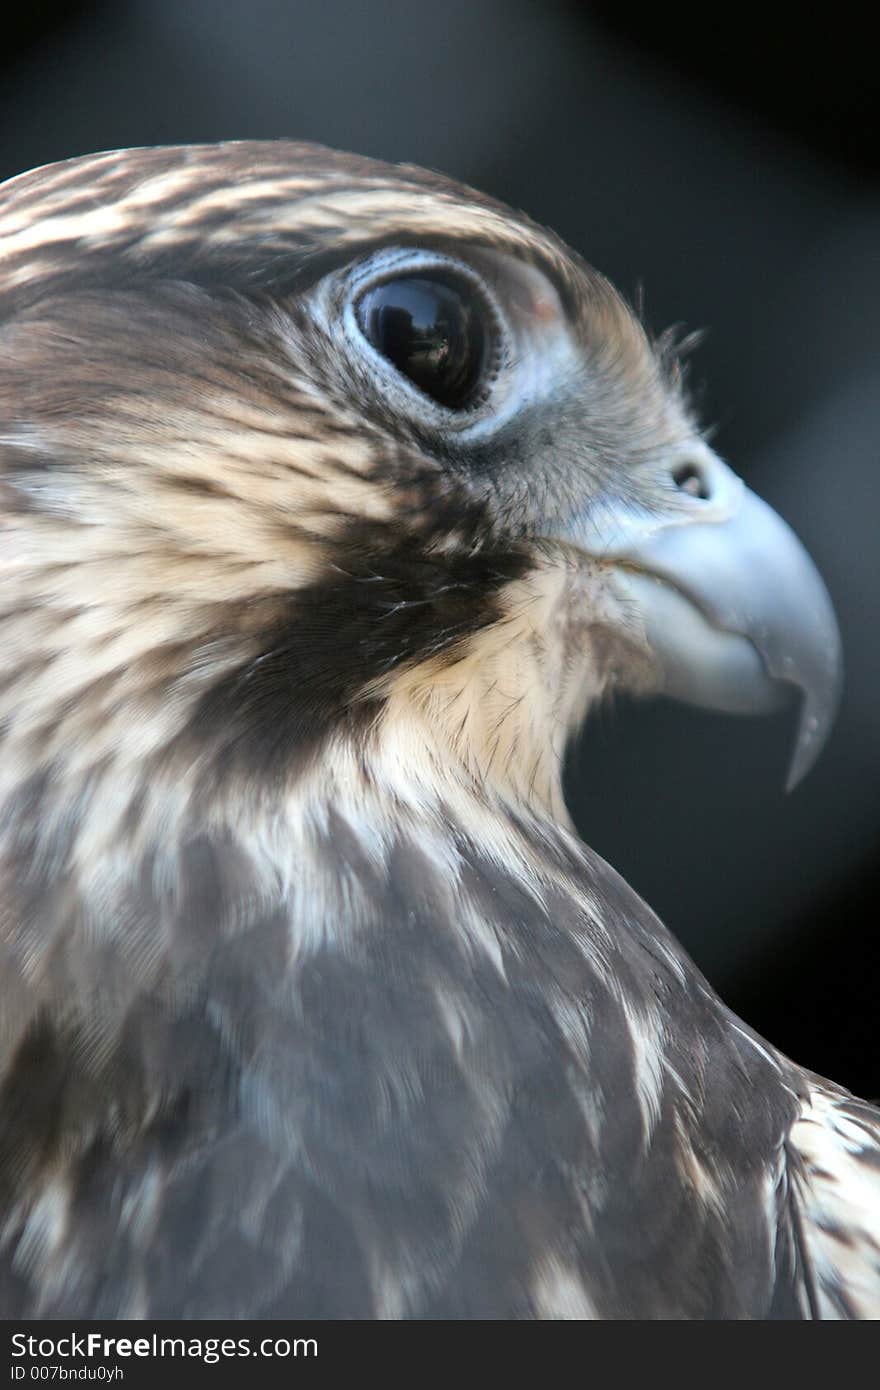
column 434, row 329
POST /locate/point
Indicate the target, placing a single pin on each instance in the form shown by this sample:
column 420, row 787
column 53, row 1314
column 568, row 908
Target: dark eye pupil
column 432, row 330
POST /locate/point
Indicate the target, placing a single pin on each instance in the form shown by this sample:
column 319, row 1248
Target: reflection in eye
column 433, row 330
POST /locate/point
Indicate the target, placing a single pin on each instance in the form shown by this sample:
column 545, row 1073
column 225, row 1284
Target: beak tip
column 817, row 716
column 802, row 760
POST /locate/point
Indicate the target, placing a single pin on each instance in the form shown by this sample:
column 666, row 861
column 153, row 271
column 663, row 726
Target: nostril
column 690, row 478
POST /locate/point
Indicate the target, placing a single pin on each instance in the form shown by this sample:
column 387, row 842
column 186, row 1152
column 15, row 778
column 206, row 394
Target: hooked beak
column 733, row 607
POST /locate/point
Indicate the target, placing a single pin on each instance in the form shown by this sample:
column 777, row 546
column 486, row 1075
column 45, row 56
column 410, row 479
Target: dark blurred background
column 726, row 164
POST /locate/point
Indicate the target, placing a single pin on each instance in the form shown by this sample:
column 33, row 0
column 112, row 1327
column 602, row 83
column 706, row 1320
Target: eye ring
column 436, row 328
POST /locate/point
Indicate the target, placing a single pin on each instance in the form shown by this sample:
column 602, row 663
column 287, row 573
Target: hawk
column 333, row 496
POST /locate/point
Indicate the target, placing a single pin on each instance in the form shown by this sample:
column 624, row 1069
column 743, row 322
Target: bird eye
column 433, row 329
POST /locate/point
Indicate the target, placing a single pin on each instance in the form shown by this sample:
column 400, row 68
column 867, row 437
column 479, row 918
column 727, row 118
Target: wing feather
column 834, row 1159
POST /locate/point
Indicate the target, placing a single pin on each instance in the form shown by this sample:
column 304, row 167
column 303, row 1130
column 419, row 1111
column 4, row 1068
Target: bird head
column 299, row 450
